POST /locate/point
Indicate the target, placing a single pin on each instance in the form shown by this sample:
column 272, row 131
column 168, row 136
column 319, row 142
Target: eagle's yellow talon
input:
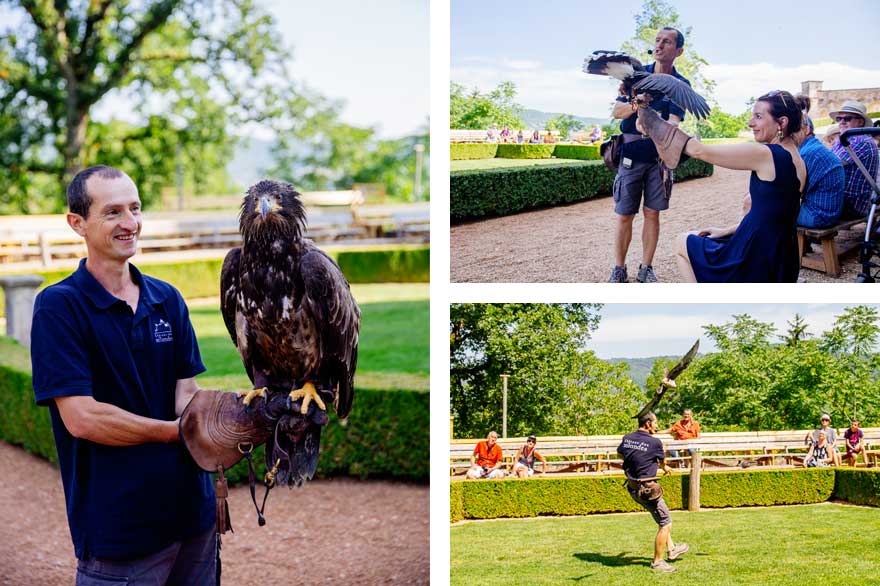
column 250, row 395
column 307, row 393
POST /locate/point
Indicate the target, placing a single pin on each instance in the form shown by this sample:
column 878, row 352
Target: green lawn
column 393, row 350
column 779, row 546
column 471, row 164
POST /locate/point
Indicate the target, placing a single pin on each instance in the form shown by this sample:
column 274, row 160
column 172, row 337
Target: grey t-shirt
column 830, row 436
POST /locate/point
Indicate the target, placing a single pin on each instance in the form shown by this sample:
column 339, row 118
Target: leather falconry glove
column 669, row 139
column 218, row 431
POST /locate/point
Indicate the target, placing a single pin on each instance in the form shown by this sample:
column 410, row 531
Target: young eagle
column 290, row 313
column 638, row 81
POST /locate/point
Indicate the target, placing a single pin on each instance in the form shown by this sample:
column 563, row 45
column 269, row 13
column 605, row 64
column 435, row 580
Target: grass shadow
column 614, row 561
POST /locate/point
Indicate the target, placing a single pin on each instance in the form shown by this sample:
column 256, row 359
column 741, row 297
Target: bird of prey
column 637, row 81
column 290, row 313
column 668, row 381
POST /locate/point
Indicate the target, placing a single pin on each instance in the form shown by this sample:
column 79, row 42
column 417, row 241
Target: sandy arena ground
column 338, row 531
column 574, row 243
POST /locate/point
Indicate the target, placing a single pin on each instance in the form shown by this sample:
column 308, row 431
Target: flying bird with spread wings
column 668, row 381
column 637, row 81
column 290, row 313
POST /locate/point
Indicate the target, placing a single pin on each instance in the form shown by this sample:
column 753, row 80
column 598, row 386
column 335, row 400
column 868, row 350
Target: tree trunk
column 77, row 123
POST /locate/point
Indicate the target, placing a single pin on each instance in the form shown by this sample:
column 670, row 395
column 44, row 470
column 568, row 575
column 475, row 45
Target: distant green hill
column 639, row 368
column 537, row 119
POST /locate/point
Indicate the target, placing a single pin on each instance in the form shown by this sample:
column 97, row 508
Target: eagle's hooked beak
column 265, row 206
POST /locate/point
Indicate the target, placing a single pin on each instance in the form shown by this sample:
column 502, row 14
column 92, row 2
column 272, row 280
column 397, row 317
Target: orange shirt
column 684, row 431
column 486, row 457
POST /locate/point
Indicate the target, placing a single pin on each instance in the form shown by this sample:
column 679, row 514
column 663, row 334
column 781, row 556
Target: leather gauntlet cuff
column 669, row 139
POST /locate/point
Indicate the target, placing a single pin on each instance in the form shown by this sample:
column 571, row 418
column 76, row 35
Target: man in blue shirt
column 640, row 169
column 114, row 358
column 857, row 189
column 642, row 454
column 823, row 198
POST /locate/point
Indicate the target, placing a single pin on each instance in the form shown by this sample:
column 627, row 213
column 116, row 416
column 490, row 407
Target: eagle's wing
column 684, row 362
column 614, row 63
column 229, row 290
column 337, row 319
column 671, row 375
column 680, row 93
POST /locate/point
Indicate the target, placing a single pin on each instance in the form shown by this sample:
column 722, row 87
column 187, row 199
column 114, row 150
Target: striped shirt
column 823, row 196
column 857, row 190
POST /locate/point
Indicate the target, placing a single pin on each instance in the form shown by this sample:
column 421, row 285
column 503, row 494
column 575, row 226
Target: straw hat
column 853, row 107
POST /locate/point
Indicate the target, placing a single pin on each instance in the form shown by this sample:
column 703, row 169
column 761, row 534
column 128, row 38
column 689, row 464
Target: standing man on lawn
column 641, row 170
column 114, row 358
column 642, row 454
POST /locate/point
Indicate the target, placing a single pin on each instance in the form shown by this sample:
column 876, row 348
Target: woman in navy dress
column 762, row 248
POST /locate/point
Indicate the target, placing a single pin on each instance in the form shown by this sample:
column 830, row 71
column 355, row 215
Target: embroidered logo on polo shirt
column 162, row 332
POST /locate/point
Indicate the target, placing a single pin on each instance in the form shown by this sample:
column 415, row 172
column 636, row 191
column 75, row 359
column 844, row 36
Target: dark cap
column 532, row 438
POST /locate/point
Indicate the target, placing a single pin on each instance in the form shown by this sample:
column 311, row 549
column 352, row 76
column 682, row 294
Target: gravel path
column 338, row 531
column 574, row 243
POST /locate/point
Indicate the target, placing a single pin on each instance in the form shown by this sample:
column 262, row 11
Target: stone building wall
column 825, row 101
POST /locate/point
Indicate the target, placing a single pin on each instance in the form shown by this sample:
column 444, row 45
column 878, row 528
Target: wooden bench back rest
column 708, row 442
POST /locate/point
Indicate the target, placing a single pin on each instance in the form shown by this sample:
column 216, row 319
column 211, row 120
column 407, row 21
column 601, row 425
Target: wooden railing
column 598, row 454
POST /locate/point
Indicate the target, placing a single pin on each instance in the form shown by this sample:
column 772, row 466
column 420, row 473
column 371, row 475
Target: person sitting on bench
column 822, row 202
column 857, row 190
column 486, row 461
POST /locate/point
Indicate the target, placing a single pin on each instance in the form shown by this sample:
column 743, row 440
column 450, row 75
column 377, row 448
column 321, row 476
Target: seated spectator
column 685, row 429
column 854, row 443
column 832, row 134
column 505, row 134
column 830, row 437
column 525, row 459
column 486, row 460
column 548, row 138
column 492, row 134
column 822, row 201
column 520, row 137
column 857, row 190
column 596, row 134
column 818, row 455
column 536, row 138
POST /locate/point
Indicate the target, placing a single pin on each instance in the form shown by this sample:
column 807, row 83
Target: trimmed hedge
column 489, row 499
column 586, row 152
column 409, row 263
column 525, row 151
column 500, row 192
column 466, row 151
column 376, row 441
column 860, row 487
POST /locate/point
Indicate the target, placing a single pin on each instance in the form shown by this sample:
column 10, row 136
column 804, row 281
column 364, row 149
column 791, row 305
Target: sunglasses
column 845, row 118
column 781, row 94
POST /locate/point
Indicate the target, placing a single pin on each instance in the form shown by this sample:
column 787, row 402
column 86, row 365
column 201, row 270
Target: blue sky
column 375, row 57
column 541, row 46
column 633, row 330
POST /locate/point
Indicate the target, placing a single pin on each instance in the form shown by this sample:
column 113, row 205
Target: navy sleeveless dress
column 763, row 249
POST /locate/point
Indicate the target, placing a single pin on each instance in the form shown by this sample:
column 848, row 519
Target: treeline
column 759, row 379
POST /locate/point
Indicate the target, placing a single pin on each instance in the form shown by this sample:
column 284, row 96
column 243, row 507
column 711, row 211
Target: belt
column 632, row 137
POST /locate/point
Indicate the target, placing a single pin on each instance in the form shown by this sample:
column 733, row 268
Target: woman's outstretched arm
column 741, row 157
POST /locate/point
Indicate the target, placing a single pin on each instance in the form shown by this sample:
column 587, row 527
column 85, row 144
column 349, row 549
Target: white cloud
column 574, row 92
column 738, row 83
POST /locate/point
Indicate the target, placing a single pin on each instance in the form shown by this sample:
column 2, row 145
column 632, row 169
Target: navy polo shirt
column 122, row 502
column 641, row 453
column 644, row 150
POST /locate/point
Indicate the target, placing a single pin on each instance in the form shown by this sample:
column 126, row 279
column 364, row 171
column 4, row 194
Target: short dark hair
column 782, row 103
column 679, row 40
column 78, row 200
column 644, row 419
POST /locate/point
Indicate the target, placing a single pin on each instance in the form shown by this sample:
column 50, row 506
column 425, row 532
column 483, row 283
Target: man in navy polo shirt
column 114, row 357
column 640, row 169
column 642, row 455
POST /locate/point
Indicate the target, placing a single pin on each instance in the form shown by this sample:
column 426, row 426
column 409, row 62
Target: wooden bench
column 828, row 260
column 720, row 450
